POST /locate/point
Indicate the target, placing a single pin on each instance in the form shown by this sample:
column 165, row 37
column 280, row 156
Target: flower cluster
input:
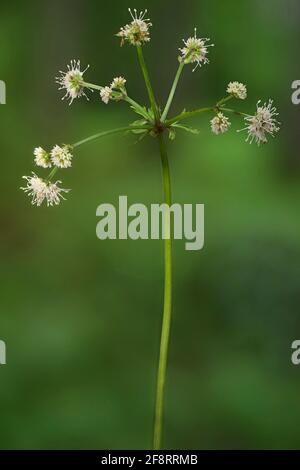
column 106, row 92
column 59, row 156
column 42, row 158
column 220, row 124
column 238, row 90
column 262, row 123
column 136, row 32
column 72, row 81
column 195, row 50
column 41, row 190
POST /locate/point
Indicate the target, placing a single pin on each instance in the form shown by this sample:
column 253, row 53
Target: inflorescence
column 195, row 51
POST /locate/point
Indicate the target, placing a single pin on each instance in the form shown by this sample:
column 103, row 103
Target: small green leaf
column 142, row 111
column 139, row 122
column 150, row 113
column 172, row 134
column 186, row 128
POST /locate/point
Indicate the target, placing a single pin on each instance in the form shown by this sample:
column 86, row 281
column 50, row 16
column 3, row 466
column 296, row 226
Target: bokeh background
column 80, row 317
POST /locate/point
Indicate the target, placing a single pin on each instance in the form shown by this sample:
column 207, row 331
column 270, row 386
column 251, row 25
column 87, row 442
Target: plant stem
column 172, row 92
column 188, row 114
column 166, row 321
column 91, row 85
column 97, row 136
column 224, row 100
column 238, row 113
column 110, row 132
column 137, row 106
column 124, row 97
column 52, row 173
column 148, row 83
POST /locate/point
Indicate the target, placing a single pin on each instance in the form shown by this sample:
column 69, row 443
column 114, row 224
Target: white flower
column 55, row 193
column 220, row 124
column 71, row 81
column 61, row 156
column 42, row 158
column 106, row 94
column 195, row 50
column 238, row 90
column 41, row 190
column 36, row 187
column 137, row 32
column 118, row 82
column 262, row 123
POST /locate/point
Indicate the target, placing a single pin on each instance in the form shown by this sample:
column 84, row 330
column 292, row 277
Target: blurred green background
column 81, row 317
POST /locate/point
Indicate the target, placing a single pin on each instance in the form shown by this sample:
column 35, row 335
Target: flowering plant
column 154, row 122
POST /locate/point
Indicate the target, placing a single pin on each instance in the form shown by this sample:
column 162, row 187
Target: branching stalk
column 188, row 114
column 224, row 100
column 98, row 136
column 148, row 83
column 91, row 85
column 172, row 92
column 110, row 132
column 238, row 113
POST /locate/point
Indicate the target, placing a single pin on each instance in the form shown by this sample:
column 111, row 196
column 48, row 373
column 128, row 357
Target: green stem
column 52, row 173
column 166, row 321
column 137, row 106
column 91, row 85
column 224, row 100
column 188, row 114
column 238, row 113
column 148, row 82
column 97, row 136
column 118, row 93
column 106, row 133
column 172, row 92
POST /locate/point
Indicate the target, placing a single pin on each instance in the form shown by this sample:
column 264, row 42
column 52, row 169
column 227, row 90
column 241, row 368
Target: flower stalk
column 166, row 319
column 188, row 114
column 148, row 83
column 173, row 89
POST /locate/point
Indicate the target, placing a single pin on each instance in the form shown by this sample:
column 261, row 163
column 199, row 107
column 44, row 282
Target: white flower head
column 220, row 124
column 195, row 50
column 42, row 158
column 36, row 187
column 238, row 90
column 262, row 123
column 136, row 32
column 61, row 156
column 55, row 193
column 41, row 190
column 71, row 81
column 118, row 82
column 106, row 94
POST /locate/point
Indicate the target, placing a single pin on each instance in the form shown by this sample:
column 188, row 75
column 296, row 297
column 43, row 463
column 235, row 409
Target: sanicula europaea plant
column 154, row 122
